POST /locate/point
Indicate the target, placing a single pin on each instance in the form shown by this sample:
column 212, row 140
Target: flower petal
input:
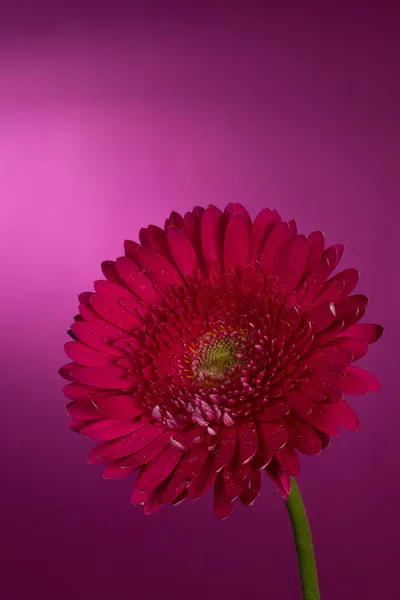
column 112, row 311
column 183, row 252
column 86, row 356
column 137, row 439
column 288, row 460
column 301, row 403
column 109, row 429
column 136, row 280
column 273, row 410
column 159, row 268
column 316, row 244
column 338, row 287
column 328, row 417
column 364, row 331
column 263, row 224
column 247, row 440
column 184, row 474
column 357, row 380
column 236, row 242
column 99, row 336
column 211, row 237
column 303, row 437
column 280, row 478
column 107, row 378
column 108, row 288
column 252, row 489
column 291, row 263
column 222, row 507
column 351, row 309
column 122, row 406
column 273, row 246
column 160, row 468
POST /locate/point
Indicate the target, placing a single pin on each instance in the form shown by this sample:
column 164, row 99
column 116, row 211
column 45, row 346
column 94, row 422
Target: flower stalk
column 303, row 542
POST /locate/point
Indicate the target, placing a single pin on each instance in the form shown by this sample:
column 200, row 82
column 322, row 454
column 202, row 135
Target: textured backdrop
column 109, row 118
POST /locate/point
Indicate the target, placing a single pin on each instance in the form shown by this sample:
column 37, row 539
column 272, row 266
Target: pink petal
column 217, row 459
column 186, row 471
column 77, row 391
column 115, row 471
column 174, row 220
column 280, row 478
column 160, row 468
column 291, row 263
column 131, row 249
column 138, row 438
column 300, row 403
column 112, row 311
column 123, row 406
column 236, row 242
column 358, row 348
column 222, row 507
column 183, row 252
column 328, row 417
column 354, row 375
column 109, row 270
column 288, row 460
column 158, row 241
column 83, row 410
column 146, row 454
column 107, row 378
column 334, row 355
column 321, row 316
column 351, row 309
column 315, row 281
column 108, row 429
column 272, row 435
column 338, row 287
column 273, row 411
column 304, row 438
column 316, row 244
column 234, row 481
column 99, row 336
column 273, row 246
column 192, row 230
column 158, row 267
column 262, row 226
column 211, row 236
column 252, row 489
column 136, row 280
column 334, row 255
column 107, row 288
column 236, row 208
column 364, row 331
column 86, row 356
column 247, row 440
column 138, row 496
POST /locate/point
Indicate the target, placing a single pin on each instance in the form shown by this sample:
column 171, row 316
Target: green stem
column 303, row 541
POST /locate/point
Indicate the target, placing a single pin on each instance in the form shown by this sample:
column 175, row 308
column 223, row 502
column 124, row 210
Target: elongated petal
column 158, row 267
column 338, row 287
column 112, row 310
column 136, row 280
column 160, row 468
column 107, row 378
column 183, row 252
column 186, row 471
column 99, row 336
column 211, row 236
column 109, row 429
column 222, row 507
column 280, row 478
column 364, row 331
column 252, row 489
column 273, row 246
column 263, row 224
column 288, row 460
column 122, row 406
column 236, row 242
column 86, row 356
column 356, row 378
column 291, row 263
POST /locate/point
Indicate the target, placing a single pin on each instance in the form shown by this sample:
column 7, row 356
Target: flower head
column 214, row 351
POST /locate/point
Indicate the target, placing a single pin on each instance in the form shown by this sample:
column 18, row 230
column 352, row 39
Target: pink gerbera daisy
column 215, row 351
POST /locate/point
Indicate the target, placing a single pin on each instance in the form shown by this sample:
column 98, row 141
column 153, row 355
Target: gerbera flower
column 215, row 351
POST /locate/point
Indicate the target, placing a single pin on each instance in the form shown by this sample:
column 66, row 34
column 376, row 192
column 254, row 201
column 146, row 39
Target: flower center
column 216, row 356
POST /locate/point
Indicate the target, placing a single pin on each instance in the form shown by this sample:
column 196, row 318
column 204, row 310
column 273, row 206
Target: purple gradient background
column 108, row 120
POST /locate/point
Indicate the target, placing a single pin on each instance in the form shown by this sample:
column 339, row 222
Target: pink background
column 110, row 118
